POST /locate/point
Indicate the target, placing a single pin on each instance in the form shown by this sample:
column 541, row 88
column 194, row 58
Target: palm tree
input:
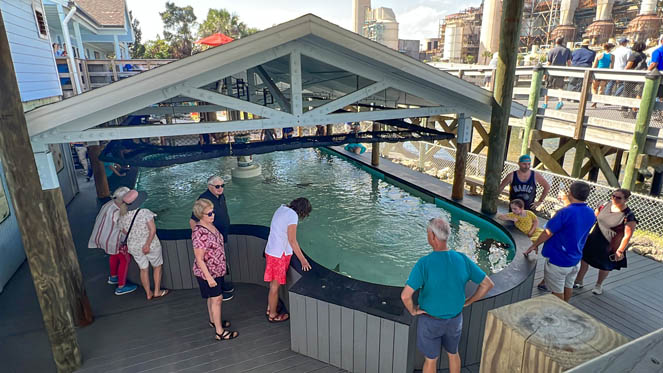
column 221, row 20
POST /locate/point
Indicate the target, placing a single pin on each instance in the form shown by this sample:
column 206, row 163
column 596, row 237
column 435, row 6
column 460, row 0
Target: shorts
column 555, row 82
column 433, row 333
column 557, row 278
column 154, row 258
column 206, row 291
column 276, row 268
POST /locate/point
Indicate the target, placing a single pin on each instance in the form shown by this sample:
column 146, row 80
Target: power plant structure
column 377, row 24
column 475, row 31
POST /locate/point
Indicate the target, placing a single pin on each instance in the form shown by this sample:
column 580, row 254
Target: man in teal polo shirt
column 442, row 276
column 564, row 238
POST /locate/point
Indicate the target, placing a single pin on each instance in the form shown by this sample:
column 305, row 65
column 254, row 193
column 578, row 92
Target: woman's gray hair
column 440, row 228
column 120, row 192
column 210, row 180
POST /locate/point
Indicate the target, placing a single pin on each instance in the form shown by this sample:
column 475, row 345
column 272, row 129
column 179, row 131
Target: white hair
column 213, row 178
column 440, row 228
column 120, row 192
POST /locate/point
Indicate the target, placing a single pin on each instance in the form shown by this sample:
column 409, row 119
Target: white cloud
column 420, row 23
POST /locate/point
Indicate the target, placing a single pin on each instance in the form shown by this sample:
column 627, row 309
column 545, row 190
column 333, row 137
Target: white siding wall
column 11, row 247
column 33, row 56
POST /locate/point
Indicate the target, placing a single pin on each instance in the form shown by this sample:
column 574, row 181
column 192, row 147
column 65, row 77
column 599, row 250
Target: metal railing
column 97, row 73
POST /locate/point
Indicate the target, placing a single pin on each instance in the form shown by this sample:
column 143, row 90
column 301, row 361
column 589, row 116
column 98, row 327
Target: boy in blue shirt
column 442, row 276
column 564, row 238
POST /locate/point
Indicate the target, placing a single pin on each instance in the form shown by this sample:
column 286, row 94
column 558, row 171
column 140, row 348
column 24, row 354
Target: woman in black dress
column 605, row 248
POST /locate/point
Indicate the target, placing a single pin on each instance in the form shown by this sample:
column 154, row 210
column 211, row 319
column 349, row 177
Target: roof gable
column 306, row 37
column 110, row 13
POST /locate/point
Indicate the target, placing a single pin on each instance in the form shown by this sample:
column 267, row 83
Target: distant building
column 377, row 24
column 459, row 36
column 409, row 47
column 432, row 48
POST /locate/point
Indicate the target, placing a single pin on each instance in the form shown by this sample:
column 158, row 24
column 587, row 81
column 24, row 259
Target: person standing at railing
column 622, row 54
column 657, row 62
column 522, row 184
column 558, row 56
column 637, row 61
column 604, row 60
column 57, row 50
column 582, row 57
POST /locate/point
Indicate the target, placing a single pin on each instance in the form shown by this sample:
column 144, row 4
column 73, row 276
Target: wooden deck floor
column 632, row 297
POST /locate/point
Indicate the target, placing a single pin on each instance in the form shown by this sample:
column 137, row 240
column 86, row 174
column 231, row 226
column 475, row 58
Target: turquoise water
column 360, row 226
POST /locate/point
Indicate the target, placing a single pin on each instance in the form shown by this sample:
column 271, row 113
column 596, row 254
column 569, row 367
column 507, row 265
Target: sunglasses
column 218, row 186
column 617, row 197
column 210, row 214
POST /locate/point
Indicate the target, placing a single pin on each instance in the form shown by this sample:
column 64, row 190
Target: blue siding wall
column 33, row 57
column 11, row 247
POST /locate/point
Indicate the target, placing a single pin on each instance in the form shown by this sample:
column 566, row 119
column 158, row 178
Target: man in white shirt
column 281, row 243
column 622, row 54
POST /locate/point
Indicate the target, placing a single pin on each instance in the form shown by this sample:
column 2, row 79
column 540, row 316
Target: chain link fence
column 439, row 161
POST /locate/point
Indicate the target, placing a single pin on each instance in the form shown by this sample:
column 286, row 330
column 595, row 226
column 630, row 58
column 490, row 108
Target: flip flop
column 163, row 293
column 279, row 318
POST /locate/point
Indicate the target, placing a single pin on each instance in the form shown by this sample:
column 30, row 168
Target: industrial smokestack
column 604, row 10
column 566, row 28
column 359, row 9
column 489, row 39
column 647, row 7
column 603, row 27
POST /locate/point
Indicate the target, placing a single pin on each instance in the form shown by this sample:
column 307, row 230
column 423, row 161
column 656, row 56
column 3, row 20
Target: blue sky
column 418, row 19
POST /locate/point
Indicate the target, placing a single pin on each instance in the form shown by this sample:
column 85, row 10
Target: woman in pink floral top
column 210, row 266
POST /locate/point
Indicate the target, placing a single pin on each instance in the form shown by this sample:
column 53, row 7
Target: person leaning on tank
column 441, row 277
column 522, row 184
column 214, row 193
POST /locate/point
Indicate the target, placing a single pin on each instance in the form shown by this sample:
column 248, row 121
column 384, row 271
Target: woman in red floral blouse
column 210, row 266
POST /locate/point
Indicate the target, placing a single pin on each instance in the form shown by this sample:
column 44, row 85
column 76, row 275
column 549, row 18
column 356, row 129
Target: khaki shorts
column 557, row 278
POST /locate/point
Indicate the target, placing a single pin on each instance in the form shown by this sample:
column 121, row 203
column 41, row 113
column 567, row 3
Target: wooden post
column 99, row 172
column 463, row 141
column 330, row 129
column 533, row 107
column 512, row 14
column 641, row 127
column 578, row 159
column 114, row 70
column 375, row 147
column 579, row 132
column 543, row 335
column 40, row 241
column 656, row 182
column 617, row 167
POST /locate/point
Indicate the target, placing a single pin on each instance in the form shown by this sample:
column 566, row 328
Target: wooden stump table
column 543, row 335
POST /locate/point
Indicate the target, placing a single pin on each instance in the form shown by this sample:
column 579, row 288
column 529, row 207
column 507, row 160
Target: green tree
column 469, row 59
column 221, row 20
column 137, row 48
column 487, row 56
column 178, row 25
column 157, row 49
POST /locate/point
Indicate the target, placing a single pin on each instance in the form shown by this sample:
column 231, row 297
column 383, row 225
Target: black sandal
column 224, row 324
column 226, row 335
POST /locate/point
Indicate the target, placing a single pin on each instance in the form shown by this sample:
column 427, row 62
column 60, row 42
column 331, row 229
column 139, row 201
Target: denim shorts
column 433, row 333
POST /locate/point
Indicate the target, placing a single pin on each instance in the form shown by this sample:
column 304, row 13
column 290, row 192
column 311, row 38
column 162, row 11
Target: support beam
column 647, row 104
column 599, row 158
column 36, row 224
column 532, row 107
column 564, row 147
column 349, row 99
column 579, row 132
column 280, row 99
column 100, row 179
column 234, row 103
column 296, row 83
column 463, row 141
column 512, row 14
column 375, row 147
column 131, row 132
column 547, row 160
column 579, row 159
column 617, row 167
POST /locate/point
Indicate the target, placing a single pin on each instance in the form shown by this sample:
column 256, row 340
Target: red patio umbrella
column 215, row 40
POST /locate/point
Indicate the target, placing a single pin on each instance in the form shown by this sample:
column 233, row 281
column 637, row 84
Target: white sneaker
column 578, row 285
column 598, row 289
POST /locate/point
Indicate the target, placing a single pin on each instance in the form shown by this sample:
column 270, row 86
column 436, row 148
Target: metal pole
column 647, row 104
column 512, row 12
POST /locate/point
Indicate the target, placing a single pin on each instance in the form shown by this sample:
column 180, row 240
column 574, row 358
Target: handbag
column 124, row 249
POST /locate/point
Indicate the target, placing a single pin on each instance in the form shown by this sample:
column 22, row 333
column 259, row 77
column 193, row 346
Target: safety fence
column 439, row 161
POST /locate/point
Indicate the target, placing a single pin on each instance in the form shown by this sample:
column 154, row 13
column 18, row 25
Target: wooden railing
column 97, row 73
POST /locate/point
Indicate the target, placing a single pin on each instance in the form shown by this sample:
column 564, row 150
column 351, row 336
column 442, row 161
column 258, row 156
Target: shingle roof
column 104, row 12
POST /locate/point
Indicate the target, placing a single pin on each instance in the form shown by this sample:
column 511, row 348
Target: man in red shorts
column 281, row 243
